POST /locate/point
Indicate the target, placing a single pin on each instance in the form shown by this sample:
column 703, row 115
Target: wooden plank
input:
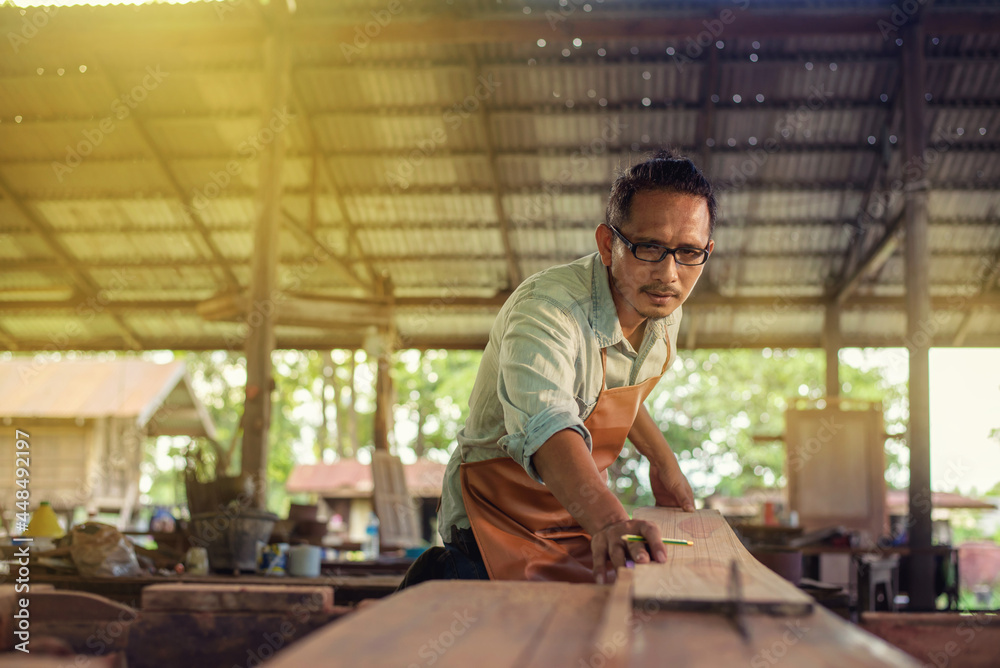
column 219, row 639
column 75, row 622
column 614, row 635
column 696, row 578
column 836, row 465
column 20, row 660
column 535, row 624
column 349, row 589
column 235, row 597
column 569, row 637
column 940, row 638
column 395, row 508
column 820, row 640
column 444, row 623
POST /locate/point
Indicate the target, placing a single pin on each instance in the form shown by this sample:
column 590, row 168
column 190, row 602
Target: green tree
column 723, row 410
column 432, row 390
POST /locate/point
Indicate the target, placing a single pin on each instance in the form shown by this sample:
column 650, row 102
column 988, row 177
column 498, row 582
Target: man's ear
column 711, row 246
column 605, row 238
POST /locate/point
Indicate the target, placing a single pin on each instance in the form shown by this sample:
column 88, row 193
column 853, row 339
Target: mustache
column 660, row 289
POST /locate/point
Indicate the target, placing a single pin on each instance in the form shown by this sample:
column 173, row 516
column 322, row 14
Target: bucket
column 231, row 537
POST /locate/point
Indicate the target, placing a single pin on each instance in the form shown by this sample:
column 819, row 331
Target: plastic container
column 196, row 561
column 231, row 537
column 371, row 545
column 44, row 523
column 304, row 560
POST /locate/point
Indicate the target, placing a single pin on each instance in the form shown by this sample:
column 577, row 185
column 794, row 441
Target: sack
column 100, row 550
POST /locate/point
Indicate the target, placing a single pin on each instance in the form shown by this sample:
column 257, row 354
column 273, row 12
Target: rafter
column 984, row 287
column 354, row 339
column 513, row 270
column 479, row 225
column 190, row 212
column 582, row 107
column 88, row 31
column 554, row 256
column 66, row 261
column 7, row 339
column 311, row 237
column 333, row 188
column 850, row 277
column 729, row 58
column 953, row 302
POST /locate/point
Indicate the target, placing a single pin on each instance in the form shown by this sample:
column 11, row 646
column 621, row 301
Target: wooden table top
column 521, row 624
column 348, row 589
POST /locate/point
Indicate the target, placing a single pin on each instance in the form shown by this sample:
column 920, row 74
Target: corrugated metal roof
column 413, row 154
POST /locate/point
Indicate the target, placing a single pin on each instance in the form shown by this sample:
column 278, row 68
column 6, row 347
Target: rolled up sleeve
column 539, row 359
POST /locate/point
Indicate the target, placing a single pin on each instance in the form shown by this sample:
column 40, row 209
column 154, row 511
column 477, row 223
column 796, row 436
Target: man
column 571, row 357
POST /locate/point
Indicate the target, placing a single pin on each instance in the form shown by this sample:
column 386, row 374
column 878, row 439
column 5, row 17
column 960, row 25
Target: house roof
column 157, row 396
column 456, row 149
column 896, row 501
column 349, row 478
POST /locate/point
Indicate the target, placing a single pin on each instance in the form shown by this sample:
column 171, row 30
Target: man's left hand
column 671, row 488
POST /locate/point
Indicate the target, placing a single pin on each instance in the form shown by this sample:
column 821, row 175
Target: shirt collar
column 604, row 317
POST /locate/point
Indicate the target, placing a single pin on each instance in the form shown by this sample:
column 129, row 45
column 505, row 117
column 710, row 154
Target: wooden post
column 831, row 344
column 352, row 406
column 262, row 306
column 384, row 396
column 918, row 317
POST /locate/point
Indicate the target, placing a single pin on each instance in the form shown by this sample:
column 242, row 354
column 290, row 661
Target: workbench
column 348, row 589
column 524, row 624
column 710, row 604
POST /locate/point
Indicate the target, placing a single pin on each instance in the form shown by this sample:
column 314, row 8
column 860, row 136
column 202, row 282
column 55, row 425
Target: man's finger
column 617, row 552
column 638, row 552
column 651, row 533
column 599, row 549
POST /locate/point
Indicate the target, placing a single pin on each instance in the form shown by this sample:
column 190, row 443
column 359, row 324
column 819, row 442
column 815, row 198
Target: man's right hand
column 608, row 545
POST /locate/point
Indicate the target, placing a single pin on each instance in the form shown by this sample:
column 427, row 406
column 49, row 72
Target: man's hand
column 670, row 487
column 608, row 543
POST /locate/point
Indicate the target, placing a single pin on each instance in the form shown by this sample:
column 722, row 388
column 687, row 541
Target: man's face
column 655, row 289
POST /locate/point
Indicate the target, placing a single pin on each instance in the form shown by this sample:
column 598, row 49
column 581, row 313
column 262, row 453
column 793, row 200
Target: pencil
column 633, row 538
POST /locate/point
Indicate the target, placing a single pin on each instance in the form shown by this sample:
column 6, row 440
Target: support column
column 918, row 318
column 831, row 344
column 384, row 394
column 263, row 284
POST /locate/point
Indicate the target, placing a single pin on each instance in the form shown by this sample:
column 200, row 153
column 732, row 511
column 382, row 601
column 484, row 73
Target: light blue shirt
column 541, row 370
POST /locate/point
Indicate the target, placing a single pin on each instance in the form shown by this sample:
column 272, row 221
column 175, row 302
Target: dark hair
column 665, row 171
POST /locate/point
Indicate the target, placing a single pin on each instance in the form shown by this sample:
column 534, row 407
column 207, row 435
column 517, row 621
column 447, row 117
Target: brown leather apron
column 523, row 532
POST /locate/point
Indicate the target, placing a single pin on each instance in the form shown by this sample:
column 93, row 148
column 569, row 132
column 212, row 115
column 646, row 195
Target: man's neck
column 636, row 335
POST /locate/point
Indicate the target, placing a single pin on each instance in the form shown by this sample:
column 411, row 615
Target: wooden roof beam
column 84, row 282
column 355, row 339
column 987, row 278
column 190, row 212
column 873, row 260
column 354, row 244
column 952, row 302
column 92, row 32
column 848, row 279
column 513, row 270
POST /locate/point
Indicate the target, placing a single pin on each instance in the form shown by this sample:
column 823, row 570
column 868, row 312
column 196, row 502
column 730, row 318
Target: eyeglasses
column 685, row 255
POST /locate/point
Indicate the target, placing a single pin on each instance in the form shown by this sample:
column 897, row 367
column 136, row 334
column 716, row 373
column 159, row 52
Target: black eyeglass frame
column 666, row 251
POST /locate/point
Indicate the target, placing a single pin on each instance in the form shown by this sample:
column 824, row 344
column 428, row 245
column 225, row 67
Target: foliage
column 219, row 379
column 717, row 409
column 432, row 396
